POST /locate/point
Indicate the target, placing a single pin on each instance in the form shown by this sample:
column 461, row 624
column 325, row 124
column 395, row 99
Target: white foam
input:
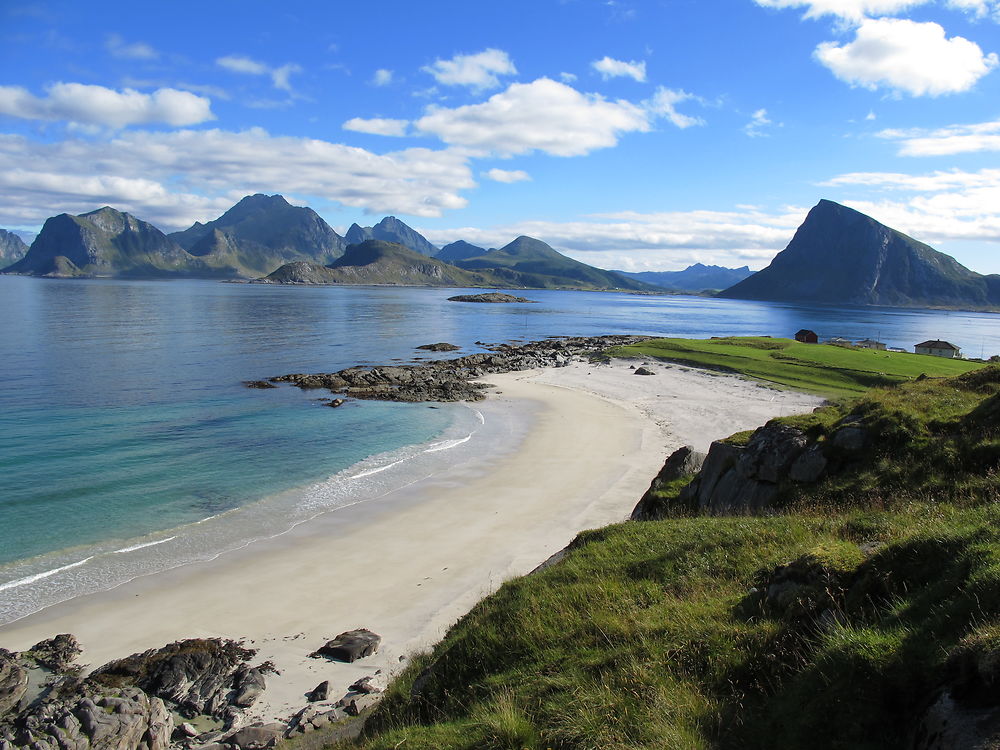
column 43, row 574
column 142, row 546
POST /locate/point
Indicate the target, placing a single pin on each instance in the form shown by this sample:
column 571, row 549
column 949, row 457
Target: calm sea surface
column 124, row 424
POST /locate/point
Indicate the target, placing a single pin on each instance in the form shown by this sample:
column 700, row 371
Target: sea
column 129, row 444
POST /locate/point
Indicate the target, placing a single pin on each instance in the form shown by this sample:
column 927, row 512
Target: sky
column 629, row 134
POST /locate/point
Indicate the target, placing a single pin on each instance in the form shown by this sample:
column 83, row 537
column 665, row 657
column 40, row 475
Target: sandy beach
column 412, row 563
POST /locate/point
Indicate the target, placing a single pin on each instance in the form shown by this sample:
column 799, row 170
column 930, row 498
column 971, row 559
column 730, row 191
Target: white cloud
column 248, row 66
column 758, row 122
column 382, row 77
column 377, row 126
column 188, row 175
column 934, row 182
column 635, row 241
column 543, row 115
column 853, row 10
column 97, row 105
column 664, row 104
column 478, row 71
column 954, row 139
column 610, row 68
column 135, row 51
column 567, row 77
column 242, row 64
column 507, row 175
column 906, row 56
column 977, row 8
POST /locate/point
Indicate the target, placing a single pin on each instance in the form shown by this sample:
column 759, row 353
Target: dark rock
column 257, row 737
column 809, row 466
column 643, row 371
column 364, row 686
column 197, row 675
column 489, row 297
column 248, row 686
column 334, row 403
column 771, row 451
column 684, row 461
column 350, row 646
column 321, row 692
column 440, row 347
column 850, row 439
column 356, row 705
column 58, row 653
column 258, row 384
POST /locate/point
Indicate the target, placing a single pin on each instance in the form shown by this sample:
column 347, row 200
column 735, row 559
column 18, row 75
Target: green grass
column 826, row 627
column 827, row 370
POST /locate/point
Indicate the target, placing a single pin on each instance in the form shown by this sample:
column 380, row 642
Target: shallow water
column 124, row 424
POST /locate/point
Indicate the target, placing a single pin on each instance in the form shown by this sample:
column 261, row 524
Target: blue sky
column 642, row 135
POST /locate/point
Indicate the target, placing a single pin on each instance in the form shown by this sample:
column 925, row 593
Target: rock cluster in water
column 490, row 297
column 451, row 379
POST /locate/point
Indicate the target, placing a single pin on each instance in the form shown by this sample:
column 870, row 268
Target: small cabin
column 870, row 344
column 839, row 341
column 807, row 337
column 938, row 348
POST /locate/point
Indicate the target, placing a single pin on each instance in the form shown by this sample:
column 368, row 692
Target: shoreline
column 412, row 563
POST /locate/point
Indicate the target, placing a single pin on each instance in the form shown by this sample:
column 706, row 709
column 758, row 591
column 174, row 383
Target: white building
column 938, row 349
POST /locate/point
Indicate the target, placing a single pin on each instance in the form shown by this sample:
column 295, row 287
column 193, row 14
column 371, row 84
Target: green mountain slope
column 841, row 256
column 106, row 242
column 261, row 233
column 529, row 262
column 378, row 262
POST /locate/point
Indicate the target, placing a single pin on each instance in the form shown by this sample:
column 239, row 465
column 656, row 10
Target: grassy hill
column 824, row 369
column 844, row 620
column 528, row 262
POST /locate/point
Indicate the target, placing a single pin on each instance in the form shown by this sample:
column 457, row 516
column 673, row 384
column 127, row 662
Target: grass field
column 823, row 369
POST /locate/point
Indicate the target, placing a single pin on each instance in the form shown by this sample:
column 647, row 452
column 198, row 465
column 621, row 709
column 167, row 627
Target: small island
column 492, row 297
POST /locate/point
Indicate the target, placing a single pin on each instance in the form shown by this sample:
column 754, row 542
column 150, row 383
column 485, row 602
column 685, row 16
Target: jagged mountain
column 106, row 242
column 528, row 262
column 12, row 248
column 391, row 229
column 694, row 278
column 460, row 250
column 261, row 233
column 842, row 256
column 379, row 262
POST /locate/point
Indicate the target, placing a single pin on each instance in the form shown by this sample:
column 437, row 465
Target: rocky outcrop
column 488, row 298
column 683, row 462
column 350, row 646
column 441, row 346
column 451, row 379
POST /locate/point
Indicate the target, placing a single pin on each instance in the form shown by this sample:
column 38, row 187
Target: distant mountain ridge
column 261, row 233
column 12, row 248
column 378, row 262
column 695, row 278
column 841, row 256
column 460, row 250
column 527, row 262
column 391, row 229
column 105, row 242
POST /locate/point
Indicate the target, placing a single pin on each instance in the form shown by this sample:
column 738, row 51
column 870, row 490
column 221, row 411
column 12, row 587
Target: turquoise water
column 124, row 424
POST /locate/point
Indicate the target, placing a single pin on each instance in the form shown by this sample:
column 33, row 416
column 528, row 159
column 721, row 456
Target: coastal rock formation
column 451, row 379
column 128, row 704
column 488, row 297
column 440, row 347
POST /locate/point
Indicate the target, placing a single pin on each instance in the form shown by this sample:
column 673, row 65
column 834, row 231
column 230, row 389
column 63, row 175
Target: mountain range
column 525, row 262
column 841, row 256
column 694, row 278
column 391, row 229
column 12, row 248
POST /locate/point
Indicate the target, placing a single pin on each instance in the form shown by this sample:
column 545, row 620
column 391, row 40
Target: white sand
column 412, row 563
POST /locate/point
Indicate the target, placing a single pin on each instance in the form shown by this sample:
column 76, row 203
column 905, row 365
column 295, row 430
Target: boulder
column 809, row 466
column 257, row 737
column 320, row 693
column 850, row 439
column 364, row 686
column 643, row 371
column 685, row 461
column 258, row 384
column 248, row 686
column 350, row 646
